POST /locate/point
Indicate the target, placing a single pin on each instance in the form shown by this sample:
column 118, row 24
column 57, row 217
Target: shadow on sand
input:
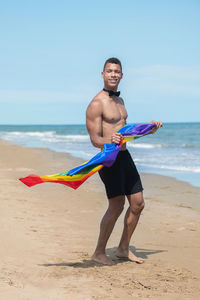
column 89, row 263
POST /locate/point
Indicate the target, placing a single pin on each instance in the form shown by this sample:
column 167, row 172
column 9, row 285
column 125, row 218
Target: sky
column 52, row 54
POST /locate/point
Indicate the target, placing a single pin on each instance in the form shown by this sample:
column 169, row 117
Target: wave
column 190, row 146
column 52, row 137
column 146, row 146
column 26, row 134
column 173, row 168
column 74, row 137
column 48, row 136
column 170, row 145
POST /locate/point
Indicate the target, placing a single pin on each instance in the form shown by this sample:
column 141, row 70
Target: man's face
column 112, row 76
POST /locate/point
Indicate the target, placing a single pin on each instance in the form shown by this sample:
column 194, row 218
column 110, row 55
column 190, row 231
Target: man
column 105, row 115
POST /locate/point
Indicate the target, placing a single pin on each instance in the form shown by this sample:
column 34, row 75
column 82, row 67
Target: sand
column 48, row 234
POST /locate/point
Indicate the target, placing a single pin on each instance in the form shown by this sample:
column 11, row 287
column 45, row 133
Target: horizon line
column 67, row 124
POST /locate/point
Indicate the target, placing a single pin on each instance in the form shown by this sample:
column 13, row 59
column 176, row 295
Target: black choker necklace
column 111, row 93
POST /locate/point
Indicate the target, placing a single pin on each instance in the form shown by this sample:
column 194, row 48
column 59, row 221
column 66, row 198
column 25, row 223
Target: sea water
column 173, row 150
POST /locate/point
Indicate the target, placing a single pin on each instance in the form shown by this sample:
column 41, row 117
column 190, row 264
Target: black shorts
column 122, row 178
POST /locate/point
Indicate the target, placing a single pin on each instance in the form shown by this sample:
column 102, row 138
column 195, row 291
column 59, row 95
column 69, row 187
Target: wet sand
column 48, row 234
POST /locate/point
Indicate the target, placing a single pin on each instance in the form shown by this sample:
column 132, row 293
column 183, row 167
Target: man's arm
column 94, row 123
column 94, row 118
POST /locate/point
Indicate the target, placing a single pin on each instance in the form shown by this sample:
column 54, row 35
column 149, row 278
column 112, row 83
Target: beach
column 49, row 232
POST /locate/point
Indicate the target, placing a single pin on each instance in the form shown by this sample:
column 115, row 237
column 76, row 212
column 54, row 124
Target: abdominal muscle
column 109, row 129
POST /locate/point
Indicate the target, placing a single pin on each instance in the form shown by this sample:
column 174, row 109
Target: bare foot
column 124, row 254
column 102, row 259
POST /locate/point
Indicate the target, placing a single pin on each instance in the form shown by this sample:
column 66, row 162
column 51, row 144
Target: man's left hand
column 158, row 125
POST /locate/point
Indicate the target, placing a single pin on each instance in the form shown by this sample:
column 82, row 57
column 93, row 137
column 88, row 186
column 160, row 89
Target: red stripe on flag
column 31, row 180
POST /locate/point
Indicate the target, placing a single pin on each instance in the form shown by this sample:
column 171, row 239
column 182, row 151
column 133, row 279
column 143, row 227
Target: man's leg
column 108, row 221
column 130, row 222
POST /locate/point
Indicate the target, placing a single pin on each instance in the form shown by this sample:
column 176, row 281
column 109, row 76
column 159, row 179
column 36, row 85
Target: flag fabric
column 76, row 176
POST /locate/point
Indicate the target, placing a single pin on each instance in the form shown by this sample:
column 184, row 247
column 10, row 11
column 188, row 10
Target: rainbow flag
column 76, row 176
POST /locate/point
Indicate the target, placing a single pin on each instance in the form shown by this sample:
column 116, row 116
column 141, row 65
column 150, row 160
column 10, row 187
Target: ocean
column 173, row 150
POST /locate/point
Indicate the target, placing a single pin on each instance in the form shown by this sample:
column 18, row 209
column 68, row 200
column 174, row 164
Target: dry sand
column 48, row 233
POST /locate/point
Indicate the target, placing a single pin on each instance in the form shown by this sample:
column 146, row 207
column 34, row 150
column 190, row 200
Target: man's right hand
column 116, row 138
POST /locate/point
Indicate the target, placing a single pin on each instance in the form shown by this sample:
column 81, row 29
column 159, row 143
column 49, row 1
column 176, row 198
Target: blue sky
column 52, row 54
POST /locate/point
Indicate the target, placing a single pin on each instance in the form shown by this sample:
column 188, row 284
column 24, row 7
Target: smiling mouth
column 113, row 81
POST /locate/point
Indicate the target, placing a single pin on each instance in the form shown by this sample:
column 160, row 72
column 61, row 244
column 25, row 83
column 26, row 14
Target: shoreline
column 81, row 160
column 174, row 152
column 49, row 233
column 95, row 184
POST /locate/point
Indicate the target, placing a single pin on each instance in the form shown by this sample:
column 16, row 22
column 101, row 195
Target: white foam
column 82, row 154
column 174, row 168
column 36, row 133
column 73, row 137
column 146, row 146
column 46, row 136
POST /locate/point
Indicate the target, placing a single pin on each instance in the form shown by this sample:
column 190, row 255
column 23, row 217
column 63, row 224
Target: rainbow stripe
column 76, row 176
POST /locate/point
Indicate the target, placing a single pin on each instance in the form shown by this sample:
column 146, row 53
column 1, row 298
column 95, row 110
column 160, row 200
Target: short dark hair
column 112, row 60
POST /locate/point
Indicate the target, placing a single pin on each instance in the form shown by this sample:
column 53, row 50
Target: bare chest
column 114, row 112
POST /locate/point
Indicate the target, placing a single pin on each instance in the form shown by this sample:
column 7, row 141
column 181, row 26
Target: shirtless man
column 105, row 115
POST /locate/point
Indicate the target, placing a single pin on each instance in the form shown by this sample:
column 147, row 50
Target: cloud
column 167, row 79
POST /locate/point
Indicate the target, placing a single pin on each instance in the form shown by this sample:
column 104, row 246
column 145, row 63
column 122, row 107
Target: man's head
column 112, row 60
column 112, row 73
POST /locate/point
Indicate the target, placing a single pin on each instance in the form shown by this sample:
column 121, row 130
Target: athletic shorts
column 122, row 178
